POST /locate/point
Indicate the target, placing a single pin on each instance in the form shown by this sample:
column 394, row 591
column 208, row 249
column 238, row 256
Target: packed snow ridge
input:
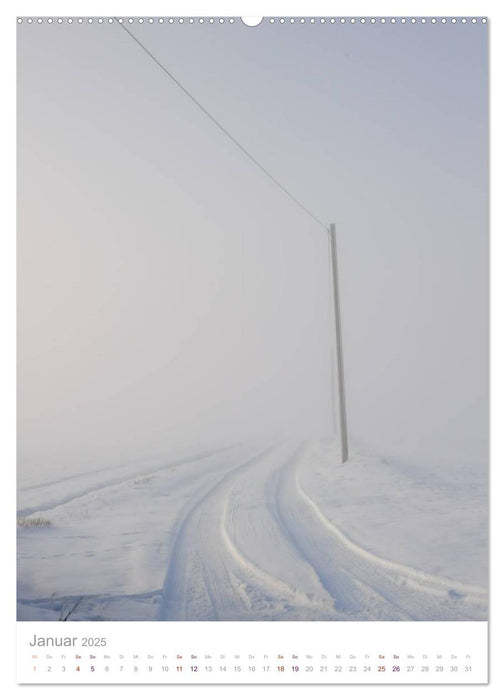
column 255, row 532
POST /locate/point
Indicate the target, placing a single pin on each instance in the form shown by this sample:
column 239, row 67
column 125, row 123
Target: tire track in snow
column 190, row 589
column 268, row 559
column 352, row 598
column 52, row 502
column 255, row 546
column 210, row 576
column 359, row 577
column 247, row 542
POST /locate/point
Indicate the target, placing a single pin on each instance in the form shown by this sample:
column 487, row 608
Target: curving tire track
column 211, row 576
column 77, row 493
column 254, row 545
column 407, row 592
column 198, row 584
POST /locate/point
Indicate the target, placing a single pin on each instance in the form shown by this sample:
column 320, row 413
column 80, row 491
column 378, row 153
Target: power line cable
column 222, row 128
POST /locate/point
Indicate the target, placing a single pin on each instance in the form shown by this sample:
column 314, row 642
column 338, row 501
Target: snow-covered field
column 259, row 531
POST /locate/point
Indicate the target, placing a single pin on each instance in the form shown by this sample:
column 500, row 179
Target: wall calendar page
column 253, row 338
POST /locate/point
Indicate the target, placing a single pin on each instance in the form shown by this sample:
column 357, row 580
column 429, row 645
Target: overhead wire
column 221, row 127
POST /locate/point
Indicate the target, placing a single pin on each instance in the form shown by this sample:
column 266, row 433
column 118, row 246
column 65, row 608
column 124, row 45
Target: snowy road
column 252, row 533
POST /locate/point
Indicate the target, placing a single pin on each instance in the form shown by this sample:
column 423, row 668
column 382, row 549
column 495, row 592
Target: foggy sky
column 169, row 294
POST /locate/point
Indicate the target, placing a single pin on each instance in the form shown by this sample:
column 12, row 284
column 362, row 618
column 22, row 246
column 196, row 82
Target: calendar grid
column 173, row 653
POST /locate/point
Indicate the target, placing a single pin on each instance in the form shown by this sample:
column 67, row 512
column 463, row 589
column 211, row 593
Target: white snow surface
column 279, row 531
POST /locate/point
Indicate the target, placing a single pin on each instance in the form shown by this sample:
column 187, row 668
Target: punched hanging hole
column 251, row 21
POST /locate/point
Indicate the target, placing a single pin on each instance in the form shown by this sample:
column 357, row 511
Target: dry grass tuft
column 34, row 522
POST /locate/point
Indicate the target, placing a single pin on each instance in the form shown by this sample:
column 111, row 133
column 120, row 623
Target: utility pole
column 339, row 346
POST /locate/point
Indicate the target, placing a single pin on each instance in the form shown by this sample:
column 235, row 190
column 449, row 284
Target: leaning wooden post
column 339, row 345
